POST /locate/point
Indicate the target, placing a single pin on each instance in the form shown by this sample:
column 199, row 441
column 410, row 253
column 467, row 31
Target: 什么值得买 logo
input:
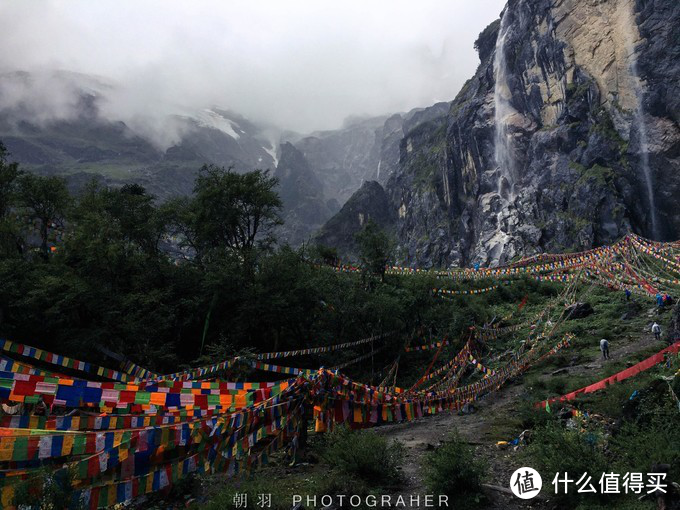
column 526, row 483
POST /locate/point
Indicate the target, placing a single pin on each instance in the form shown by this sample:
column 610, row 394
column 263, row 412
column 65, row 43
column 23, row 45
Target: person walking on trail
column 656, row 329
column 659, row 301
column 628, row 293
column 604, row 347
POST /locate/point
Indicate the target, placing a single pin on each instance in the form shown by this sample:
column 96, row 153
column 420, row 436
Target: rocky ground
column 478, row 429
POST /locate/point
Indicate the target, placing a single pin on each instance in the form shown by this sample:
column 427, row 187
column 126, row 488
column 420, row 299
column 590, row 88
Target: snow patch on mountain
column 211, row 119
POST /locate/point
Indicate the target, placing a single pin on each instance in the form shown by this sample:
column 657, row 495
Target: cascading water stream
column 503, row 111
column 643, row 140
column 498, row 236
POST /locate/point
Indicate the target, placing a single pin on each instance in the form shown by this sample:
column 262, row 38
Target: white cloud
column 302, row 65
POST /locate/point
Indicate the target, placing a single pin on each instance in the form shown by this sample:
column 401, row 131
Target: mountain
column 305, row 208
column 370, row 202
column 566, row 137
column 61, row 123
column 361, row 150
column 72, row 134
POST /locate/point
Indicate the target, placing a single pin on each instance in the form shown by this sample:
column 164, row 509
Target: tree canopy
column 169, row 284
column 229, row 210
column 375, row 248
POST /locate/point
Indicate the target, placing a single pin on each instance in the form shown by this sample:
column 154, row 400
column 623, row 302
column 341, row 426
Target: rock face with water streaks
column 562, row 139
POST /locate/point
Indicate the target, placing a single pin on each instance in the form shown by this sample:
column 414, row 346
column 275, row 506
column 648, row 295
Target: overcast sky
column 301, row 65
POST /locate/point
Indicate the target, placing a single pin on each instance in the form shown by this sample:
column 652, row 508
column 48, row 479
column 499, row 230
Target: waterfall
column 497, row 235
column 641, row 127
column 503, row 111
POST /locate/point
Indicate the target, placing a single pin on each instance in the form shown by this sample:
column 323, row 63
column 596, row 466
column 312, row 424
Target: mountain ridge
column 572, row 88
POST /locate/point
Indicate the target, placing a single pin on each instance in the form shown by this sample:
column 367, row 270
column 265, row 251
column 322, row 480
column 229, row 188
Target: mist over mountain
column 304, row 66
column 564, row 138
column 102, row 92
column 71, row 134
column 60, row 123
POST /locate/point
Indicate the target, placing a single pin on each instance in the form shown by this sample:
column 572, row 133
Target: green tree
column 232, row 211
column 375, row 249
column 129, row 295
column 113, row 229
column 10, row 239
column 179, row 216
column 228, row 214
column 326, row 254
column 140, row 223
column 47, row 198
column 9, row 172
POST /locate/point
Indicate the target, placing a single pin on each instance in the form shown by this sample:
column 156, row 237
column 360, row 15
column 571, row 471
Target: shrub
column 47, row 490
column 555, row 449
column 610, row 402
column 560, row 360
column 453, row 470
column 534, row 382
column 675, row 385
column 650, row 433
column 557, row 385
column 636, row 447
column 363, row 455
column 532, row 417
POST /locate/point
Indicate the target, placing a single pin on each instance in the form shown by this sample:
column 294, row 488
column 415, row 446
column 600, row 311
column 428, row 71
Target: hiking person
column 656, row 329
column 604, row 347
column 628, row 293
column 659, row 300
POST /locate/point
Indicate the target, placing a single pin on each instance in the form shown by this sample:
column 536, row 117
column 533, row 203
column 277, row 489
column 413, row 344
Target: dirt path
column 621, row 350
column 422, row 436
column 484, row 428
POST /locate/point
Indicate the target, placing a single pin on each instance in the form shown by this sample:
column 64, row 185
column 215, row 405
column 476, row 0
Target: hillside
column 616, row 419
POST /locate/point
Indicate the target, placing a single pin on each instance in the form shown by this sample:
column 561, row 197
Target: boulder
column 466, row 409
column 633, row 309
column 578, row 311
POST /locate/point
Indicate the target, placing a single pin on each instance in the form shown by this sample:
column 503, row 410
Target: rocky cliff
column 370, row 202
column 363, row 149
column 345, row 157
column 566, row 137
column 305, row 208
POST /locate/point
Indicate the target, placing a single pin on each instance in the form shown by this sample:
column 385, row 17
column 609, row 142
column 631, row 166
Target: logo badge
column 526, row 483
